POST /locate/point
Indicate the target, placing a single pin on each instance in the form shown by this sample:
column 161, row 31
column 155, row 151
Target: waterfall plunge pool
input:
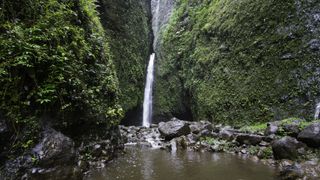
column 155, row 164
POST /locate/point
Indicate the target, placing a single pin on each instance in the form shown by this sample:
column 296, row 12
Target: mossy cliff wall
column 239, row 61
column 127, row 23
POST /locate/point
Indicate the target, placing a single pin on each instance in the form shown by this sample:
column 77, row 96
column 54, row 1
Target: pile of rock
column 279, row 142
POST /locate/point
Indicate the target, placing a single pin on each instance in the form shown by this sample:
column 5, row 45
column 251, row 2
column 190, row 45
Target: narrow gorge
column 159, row 89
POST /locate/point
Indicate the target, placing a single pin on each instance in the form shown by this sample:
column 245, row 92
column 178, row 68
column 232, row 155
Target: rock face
column 188, row 70
column 54, row 149
column 174, row 128
column 286, row 148
column 311, row 135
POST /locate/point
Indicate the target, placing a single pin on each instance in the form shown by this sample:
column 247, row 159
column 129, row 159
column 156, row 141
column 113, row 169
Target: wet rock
column 272, row 128
column 205, row 133
column 291, row 172
column 244, row 151
column 192, row 139
column 195, row 128
column 269, row 138
column 314, row 44
column 173, row 128
column 291, row 129
column 54, row 149
column 56, row 173
column 16, row 168
column 249, row 139
column 264, row 144
column 311, row 135
column 226, row 134
column 286, row 148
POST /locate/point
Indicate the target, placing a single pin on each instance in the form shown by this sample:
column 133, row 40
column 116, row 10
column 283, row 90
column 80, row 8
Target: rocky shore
column 58, row 156
column 290, row 146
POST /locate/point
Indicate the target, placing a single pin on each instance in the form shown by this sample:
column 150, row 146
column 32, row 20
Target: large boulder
column 311, row 135
column 54, row 149
column 54, row 157
column 249, row 139
column 173, row 128
column 286, row 148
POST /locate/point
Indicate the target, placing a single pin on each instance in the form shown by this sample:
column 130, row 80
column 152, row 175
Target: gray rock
column 311, row 135
column 291, row 172
column 226, row 134
column 195, row 128
column 3, row 126
column 192, row 139
column 249, row 139
column 314, row 44
column 271, row 129
column 286, row 148
column 54, row 149
column 291, row 129
column 173, row 128
column 205, row 133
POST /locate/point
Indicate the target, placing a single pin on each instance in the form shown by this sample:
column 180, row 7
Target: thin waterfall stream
column 147, row 103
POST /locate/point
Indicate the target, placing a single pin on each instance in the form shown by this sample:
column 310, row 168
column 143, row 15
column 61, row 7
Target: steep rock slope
column 240, row 61
column 127, row 23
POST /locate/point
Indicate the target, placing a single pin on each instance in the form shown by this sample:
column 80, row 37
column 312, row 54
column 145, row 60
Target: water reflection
column 148, row 164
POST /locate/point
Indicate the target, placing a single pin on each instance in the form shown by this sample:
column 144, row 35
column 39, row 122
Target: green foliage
column 55, row 59
column 258, row 127
column 239, row 62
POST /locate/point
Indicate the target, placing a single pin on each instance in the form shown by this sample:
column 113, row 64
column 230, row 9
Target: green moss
column 127, row 24
column 55, row 60
column 239, row 62
column 259, row 127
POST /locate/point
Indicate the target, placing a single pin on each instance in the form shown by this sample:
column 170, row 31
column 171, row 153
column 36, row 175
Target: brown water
column 148, row 164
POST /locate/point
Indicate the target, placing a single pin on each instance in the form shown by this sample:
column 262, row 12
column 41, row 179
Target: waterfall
column 147, row 103
column 161, row 12
column 317, row 113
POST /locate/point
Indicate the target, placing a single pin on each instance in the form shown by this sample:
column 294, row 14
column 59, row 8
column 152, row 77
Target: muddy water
column 148, row 164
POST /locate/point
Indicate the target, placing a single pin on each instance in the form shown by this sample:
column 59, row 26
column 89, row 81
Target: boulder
column 249, row 139
column 54, row 149
column 195, row 128
column 226, row 134
column 286, row 148
column 291, row 129
column 192, row 139
column 311, row 135
column 173, row 128
column 291, row 172
column 272, row 128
